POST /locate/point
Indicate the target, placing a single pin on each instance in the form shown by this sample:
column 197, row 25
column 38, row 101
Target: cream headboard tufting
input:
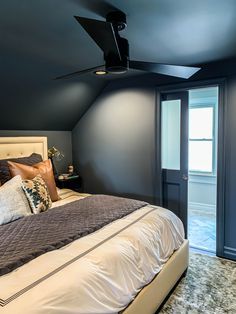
column 15, row 147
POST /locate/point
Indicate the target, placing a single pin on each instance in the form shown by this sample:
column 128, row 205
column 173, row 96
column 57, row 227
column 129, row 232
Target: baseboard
column 230, row 252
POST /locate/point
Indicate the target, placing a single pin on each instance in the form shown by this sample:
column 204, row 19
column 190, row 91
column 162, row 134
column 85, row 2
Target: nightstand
column 72, row 183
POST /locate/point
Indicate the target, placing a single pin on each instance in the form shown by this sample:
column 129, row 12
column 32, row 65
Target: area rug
column 209, row 287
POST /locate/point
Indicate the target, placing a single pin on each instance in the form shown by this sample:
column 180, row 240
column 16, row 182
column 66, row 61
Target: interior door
column 174, row 153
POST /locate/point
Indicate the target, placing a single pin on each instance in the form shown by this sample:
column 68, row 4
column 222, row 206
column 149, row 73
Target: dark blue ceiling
column 41, row 40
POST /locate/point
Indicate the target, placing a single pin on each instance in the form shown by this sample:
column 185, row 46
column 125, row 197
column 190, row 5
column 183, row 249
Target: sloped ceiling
column 41, row 40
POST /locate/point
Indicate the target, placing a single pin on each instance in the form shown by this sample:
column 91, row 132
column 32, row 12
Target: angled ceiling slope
column 41, row 40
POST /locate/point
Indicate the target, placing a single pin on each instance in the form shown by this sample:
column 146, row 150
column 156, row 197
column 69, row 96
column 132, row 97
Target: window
column 201, row 139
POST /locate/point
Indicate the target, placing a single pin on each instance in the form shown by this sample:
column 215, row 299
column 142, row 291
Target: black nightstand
column 73, row 183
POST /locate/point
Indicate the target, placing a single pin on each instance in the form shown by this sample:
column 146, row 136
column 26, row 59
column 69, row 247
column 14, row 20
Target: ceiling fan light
column 100, row 72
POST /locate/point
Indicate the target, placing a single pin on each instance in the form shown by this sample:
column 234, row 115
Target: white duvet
column 99, row 273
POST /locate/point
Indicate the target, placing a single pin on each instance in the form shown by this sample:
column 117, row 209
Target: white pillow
column 13, row 201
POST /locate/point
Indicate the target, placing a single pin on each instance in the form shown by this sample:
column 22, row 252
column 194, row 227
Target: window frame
column 213, row 140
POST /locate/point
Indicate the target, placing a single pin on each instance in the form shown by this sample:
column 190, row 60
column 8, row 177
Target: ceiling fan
column 116, row 50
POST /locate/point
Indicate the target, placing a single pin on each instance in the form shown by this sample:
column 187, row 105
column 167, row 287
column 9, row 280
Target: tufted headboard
column 15, row 147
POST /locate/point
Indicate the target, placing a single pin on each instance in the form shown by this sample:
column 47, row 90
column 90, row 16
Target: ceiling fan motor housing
column 117, row 65
column 118, row 20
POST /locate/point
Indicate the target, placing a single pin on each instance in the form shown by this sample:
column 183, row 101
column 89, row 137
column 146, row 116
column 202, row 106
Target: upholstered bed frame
column 15, row 147
column 150, row 297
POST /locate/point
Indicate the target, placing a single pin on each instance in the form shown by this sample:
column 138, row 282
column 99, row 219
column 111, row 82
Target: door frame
column 221, row 151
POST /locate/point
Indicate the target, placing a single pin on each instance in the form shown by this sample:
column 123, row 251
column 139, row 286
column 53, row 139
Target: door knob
column 185, row 177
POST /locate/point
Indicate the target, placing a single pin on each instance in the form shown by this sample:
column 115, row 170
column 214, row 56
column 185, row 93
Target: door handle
column 185, row 177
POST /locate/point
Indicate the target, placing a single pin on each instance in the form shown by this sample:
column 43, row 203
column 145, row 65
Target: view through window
column 201, row 139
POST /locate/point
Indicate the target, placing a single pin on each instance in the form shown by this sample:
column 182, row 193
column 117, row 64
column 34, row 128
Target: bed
column 70, row 280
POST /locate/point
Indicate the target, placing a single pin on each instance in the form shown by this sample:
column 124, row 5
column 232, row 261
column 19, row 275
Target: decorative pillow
column 5, row 174
column 43, row 168
column 13, row 202
column 37, row 193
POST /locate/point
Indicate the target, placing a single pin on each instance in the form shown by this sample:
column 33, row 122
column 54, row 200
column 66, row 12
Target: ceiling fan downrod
column 113, row 63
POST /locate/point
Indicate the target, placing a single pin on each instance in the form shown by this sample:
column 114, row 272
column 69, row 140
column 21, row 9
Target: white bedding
column 101, row 279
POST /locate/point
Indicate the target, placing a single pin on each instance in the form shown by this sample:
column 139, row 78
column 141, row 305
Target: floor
column 202, row 230
column 208, row 288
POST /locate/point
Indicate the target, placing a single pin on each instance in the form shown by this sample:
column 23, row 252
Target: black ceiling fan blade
column 70, row 75
column 166, row 69
column 102, row 33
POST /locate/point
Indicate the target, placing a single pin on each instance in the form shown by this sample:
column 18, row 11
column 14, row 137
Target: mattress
column 99, row 273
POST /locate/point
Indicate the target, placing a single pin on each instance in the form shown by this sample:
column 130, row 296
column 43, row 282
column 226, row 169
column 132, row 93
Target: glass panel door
column 174, row 153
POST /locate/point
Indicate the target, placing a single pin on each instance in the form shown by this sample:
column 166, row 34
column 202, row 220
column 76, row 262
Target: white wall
column 202, row 192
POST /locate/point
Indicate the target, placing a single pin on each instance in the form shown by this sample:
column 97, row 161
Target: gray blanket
column 25, row 239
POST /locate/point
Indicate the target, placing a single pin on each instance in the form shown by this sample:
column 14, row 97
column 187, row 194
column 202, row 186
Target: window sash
column 212, row 140
column 194, row 130
column 199, row 166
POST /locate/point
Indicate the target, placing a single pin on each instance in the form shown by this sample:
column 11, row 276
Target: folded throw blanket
column 25, row 239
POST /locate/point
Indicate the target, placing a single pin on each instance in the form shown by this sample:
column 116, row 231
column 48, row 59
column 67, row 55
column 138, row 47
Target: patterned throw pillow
column 37, row 194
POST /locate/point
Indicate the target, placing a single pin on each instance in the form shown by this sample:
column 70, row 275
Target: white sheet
column 100, row 280
column 66, row 196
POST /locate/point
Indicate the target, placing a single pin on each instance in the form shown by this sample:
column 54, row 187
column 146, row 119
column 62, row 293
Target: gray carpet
column 209, row 287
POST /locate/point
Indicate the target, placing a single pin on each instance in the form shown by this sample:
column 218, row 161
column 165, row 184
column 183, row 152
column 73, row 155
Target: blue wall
column 114, row 144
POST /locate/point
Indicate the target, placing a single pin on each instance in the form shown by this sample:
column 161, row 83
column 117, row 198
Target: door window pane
column 201, row 123
column 171, row 116
column 200, row 156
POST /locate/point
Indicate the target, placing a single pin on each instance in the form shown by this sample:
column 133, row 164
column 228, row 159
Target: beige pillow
column 13, row 202
column 37, row 193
